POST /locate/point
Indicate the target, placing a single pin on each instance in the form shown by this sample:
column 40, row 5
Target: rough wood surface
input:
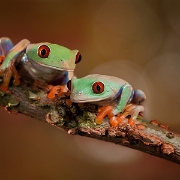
column 78, row 119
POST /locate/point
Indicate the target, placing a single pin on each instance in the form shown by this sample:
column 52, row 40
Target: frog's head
column 93, row 88
column 53, row 56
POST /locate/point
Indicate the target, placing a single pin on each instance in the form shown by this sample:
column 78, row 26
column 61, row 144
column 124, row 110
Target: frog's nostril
column 79, row 93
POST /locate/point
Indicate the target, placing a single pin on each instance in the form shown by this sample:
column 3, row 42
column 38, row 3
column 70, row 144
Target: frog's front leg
column 111, row 111
column 59, row 89
column 122, row 102
column 56, row 90
column 103, row 111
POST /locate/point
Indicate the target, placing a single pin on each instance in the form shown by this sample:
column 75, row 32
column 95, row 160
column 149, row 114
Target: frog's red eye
column 78, row 58
column 98, row 87
column 43, row 51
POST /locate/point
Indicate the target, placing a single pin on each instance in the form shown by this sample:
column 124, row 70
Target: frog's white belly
column 37, row 71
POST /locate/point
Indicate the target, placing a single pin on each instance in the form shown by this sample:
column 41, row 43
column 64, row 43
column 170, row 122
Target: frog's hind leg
column 138, row 97
column 7, row 74
column 16, row 76
column 5, row 45
column 133, row 110
column 8, row 69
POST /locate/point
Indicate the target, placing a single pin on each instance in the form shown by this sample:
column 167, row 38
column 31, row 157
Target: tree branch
column 78, row 119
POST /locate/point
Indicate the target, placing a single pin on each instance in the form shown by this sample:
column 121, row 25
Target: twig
column 149, row 137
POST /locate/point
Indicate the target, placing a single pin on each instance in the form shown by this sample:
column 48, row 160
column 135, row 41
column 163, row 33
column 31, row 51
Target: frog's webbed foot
column 131, row 109
column 55, row 90
column 107, row 110
column 103, row 111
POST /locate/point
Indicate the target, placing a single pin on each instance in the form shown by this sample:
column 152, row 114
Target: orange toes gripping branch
column 131, row 122
column 4, row 88
column 103, row 111
column 55, row 90
column 113, row 121
column 16, row 82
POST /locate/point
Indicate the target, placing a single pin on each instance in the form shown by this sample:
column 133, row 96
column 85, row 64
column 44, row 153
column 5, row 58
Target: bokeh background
column 136, row 40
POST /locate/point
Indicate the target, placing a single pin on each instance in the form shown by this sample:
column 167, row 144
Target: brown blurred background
column 137, row 40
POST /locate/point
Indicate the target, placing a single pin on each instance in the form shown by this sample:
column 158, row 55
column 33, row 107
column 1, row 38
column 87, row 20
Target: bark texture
column 78, row 119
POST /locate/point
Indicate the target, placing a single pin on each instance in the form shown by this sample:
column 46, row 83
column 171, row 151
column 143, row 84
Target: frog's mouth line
column 53, row 67
column 99, row 100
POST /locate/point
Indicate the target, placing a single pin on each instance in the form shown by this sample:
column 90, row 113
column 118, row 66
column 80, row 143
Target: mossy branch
column 78, row 119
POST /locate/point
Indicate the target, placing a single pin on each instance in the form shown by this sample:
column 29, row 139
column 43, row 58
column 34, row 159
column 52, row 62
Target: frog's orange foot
column 98, row 120
column 68, row 102
column 120, row 118
column 103, row 111
column 4, row 88
column 55, row 90
column 16, row 82
column 131, row 122
column 133, row 111
column 114, row 121
column 1, row 59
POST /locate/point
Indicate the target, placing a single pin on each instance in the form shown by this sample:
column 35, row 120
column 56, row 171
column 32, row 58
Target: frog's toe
column 105, row 110
column 120, row 118
column 131, row 122
column 98, row 120
column 113, row 121
column 133, row 111
column 55, row 90
column 4, row 88
column 16, row 82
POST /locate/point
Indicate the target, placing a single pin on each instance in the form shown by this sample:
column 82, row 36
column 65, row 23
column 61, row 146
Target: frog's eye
column 98, row 87
column 78, row 58
column 43, row 51
column 69, row 85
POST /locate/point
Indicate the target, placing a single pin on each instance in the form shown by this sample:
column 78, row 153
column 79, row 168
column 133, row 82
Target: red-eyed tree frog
column 41, row 61
column 116, row 96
